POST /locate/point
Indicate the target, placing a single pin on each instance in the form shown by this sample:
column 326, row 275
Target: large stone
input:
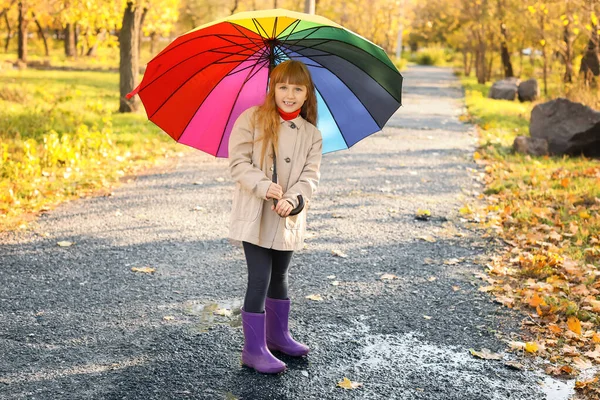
column 532, row 146
column 569, row 127
column 505, row 89
column 529, row 90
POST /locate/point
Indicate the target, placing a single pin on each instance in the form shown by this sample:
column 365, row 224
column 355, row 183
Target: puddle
column 451, row 369
column 222, row 312
column 557, row 390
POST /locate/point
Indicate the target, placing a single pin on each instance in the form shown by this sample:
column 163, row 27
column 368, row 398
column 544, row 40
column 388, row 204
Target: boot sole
column 273, row 347
column 269, row 372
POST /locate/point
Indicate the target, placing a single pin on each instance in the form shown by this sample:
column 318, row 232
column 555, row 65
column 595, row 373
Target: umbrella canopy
column 199, row 84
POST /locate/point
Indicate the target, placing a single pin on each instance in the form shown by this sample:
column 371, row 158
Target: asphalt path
column 77, row 322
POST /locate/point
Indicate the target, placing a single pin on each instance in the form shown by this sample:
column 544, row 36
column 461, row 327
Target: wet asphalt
column 77, row 323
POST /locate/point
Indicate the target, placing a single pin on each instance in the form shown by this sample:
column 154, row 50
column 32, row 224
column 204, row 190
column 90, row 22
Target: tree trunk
column 480, row 69
column 465, row 55
column 129, row 61
column 153, row 41
column 309, row 6
column 235, row 6
column 544, row 52
column 590, row 63
column 22, row 33
column 69, row 34
column 505, row 54
column 42, row 35
column 140, row 33
column 8, row 33
column 488, row 75
column 99, row 37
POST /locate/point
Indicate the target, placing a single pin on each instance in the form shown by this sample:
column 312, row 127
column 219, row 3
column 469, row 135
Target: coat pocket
column 296, row 222
column 246, row 206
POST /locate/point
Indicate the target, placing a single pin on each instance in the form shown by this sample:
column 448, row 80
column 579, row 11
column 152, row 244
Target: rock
column 529, row 90
column 569, row 127
column 532, row 146
column 505, row 89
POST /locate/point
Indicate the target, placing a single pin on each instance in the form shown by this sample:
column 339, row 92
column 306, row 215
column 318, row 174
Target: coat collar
column 298, row 121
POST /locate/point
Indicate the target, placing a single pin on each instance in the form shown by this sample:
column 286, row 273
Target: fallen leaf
column 516, row 345
column 335, row 283
column 456, row 288
column 223, row 312
column 531, row 347
column 427, row 317
column 594, row 354
column 452, row 261
column 486, row 354
column 428, row 238
column 570, row 351
column 564, row 369
column 536, row 300
column 596, row 338
column 583, row 384
column 574, row 325
column 388, row 277
column 168, row 318
column 555, row 329
column 582, row 363
column 315, row 297
column 65, row 244
column 145, row 270
column 514, row 364
column 339, row 253
column 348, row 384
column 431, row 278
column 330, row 276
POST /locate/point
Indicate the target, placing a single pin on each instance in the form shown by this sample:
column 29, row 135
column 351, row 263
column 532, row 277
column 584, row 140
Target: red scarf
column 289, row 116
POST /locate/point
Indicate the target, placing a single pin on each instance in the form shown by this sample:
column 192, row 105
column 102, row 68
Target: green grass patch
column 61, row 137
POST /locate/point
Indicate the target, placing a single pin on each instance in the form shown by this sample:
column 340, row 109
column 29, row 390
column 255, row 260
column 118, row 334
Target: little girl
column 280, row 133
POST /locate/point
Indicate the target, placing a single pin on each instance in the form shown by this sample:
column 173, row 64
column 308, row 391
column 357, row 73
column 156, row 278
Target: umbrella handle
column 296, row 210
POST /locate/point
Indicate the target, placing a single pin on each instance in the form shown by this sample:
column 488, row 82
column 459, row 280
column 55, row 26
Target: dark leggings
column 267, row 276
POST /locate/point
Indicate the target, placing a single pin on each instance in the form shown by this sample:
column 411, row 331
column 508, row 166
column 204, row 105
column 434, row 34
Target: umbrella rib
column 259, row 27
column 248, row 77
column 331, row 113
column 314, row 29
column 199, row 54
column 183, row 83
column 331, row 54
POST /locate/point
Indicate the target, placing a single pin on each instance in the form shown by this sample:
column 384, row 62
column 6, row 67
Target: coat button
column 271, row 168
column 287, row 159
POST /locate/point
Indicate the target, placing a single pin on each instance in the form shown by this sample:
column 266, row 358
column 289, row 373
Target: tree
column 129, row 60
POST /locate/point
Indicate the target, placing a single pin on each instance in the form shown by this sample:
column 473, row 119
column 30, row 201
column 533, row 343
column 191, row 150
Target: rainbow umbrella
column 199, row 84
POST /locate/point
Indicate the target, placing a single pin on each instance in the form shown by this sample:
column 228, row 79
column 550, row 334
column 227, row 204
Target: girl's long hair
column 266, row 117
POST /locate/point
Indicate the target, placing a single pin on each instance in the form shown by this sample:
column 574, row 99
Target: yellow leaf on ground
column 564, row 182
column 348, row 384
column 145, row 270
column 315, row 297
column 168, row 318
column 536, row 300
column 596, row 338
column 65, row 244
column 388, row 277
column 531, row 347
column 486, row 354
column 574, row 325
column 456, row 288
column 431, row 278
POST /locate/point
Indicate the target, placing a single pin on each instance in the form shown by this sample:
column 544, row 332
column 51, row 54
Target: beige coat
column 298, row 163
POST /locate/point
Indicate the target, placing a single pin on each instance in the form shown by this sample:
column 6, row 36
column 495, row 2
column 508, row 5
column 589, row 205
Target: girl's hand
column 284, row 208
column 275, row 191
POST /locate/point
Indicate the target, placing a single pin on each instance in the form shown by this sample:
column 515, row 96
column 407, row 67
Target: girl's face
column 290, row 97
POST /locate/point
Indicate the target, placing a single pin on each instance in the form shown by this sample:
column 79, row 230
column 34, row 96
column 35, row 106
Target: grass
column 61, row 139
column 547, row 211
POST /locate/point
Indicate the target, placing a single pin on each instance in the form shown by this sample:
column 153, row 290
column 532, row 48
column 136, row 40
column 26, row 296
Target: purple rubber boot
column 278, row 333
column 255, row 353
